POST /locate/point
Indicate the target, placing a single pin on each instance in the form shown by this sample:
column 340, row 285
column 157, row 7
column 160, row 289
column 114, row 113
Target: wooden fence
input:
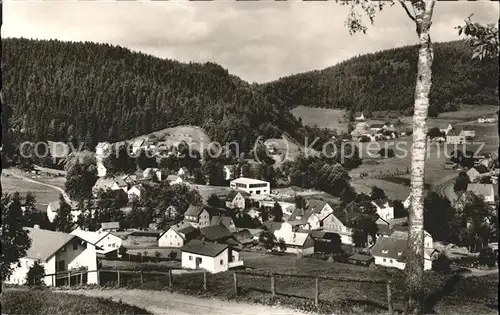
column 272, row 277
column 119, row 278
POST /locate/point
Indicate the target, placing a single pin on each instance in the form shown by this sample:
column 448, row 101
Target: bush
column 442, row 264
column 35, row 275
column 172, row 255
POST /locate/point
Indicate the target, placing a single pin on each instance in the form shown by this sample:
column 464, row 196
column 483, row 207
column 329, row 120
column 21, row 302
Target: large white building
column 212, row 257
column 59, row 253
column 251, row 186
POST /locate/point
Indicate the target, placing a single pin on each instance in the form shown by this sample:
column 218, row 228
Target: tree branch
column 407, row 11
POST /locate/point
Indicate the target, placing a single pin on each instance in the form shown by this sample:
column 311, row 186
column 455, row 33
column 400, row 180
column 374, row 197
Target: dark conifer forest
column 87, row 92
column 386, row 81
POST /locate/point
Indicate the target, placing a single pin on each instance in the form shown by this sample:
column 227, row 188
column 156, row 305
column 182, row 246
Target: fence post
column 273, row 289
column 170, row 283
column 389, row 297
column 118, row 273
column 204, row 281
column 81, row 278
column 98, row 277
column 235, row 282
column 316, row 292
column 53, row 280
column 69, row 279
column 140, row 273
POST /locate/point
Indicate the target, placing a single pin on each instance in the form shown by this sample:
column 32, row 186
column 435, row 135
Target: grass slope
column 46, row 302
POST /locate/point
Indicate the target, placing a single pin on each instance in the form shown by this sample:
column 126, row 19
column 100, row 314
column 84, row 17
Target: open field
column 44, row 302
column 43, row 194
column 192, row 135
column 391, row 189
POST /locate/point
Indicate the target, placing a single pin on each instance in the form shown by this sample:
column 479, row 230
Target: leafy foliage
column 482, row 38
column 35, row 274
column 15, row 240
column 63, row 221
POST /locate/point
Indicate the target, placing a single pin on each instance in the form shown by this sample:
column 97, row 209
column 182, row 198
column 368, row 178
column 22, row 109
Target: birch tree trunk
column 415, row 261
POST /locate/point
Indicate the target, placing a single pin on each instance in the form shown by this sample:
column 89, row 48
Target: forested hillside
column 95, row 92
column 386, row 81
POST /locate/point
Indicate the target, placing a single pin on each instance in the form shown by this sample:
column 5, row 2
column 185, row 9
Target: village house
column 218, row 234
column 484, row 120
column 106, row 244
column 485, row 190
column 384, row 228
column 244, row 237
column 392, row 251
column 175, row 237
column 135, row 238
column 477, row 172
column 135, row 192
column 211, row 257
column 375, row 128
column 360, row 118
column 446, row 130
column 226, row 221
column 105, row 184
column 53, row 209
column 299, row 243
column 314, row 217
column 197, row 216
column 174, row 179
column 183, row 172
column 453, row 137
column 384, row 209
column 137, row 145
column 57, row 252
column 101, row 150
column 150, row 173
column 469, row 135
column 236, row 199
column 339, row 222
column 110, row 226
column 251, row 186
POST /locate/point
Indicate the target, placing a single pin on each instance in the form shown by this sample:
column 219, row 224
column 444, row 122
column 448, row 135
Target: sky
column 259, row 41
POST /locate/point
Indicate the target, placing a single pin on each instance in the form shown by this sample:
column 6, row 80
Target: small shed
column 360, row 259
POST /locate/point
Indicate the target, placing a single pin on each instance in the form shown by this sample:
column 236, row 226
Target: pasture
column 43, row 194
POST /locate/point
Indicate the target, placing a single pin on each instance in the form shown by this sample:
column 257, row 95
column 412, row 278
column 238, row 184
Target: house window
column 221, row 262
column 385, row 251
column 383, row 260
column 390, row 261
column 190, row 257
column 75, row 246
column 61, row 265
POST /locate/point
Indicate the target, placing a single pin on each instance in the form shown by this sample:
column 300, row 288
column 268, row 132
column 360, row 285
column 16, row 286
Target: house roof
column 246, row 180
column 89, row 236
column 103, row 183
column 172, row 178
column 45, row 243
column 344, row 217
column 232, row 194
column 453, row 132
column 215, row 232
column 204, row 248
column 110, row 225
column 193, row 211
column 123, row 234
column 273, row 226
column 243, row 236
column 294, row 239
column 377, row 125
column 389, row 247
column 380, row 203
column 481, row 189
column 224, row 220
column 360, row 257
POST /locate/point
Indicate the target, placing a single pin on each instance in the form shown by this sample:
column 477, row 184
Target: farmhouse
column 298, row 243
column 135, row 238
column 453, row 137
column 384, row 209
column 485, row 190
column 212, row 257
column 57, row 252
column 236, row 199
column 198, row 216
column 340, row 223
column 392, row 251
column 105, row 184
column 477, row 172
column 174, row 179
column 174, row 237
column 314, row 217
column 226, row 221
column 106, row 244
column 251, row 186
column 217, row 233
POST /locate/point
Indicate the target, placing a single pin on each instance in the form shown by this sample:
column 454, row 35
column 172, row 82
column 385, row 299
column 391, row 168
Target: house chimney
column 36, row 226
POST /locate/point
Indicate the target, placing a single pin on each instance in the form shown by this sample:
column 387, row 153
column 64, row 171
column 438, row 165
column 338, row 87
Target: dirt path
column 162, row 302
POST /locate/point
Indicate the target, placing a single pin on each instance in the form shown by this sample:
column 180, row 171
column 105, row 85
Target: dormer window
column 385, row 251
column 400, row 253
